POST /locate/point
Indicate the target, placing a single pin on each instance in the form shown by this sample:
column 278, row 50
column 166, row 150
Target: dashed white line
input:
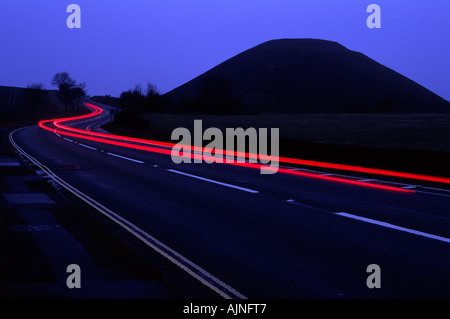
column 87, row 146
column 384, row 224
column 437, row 189
column 68, row 139
column 126, row 158
column 409, row 187
column 305, row 170
column 430, row 193
column 214, row 181
column 420, row 188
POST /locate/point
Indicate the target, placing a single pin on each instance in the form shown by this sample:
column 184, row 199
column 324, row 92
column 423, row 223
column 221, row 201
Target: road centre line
column 431, row 193
column 391, row 226
column 214, row 181
column 87, row 146
column 437, row 189
column 410, row 187
column 372, row 221
column 126, row 158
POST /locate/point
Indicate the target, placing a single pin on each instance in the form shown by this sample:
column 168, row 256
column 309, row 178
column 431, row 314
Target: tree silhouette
column 139, row 102
column 68, row 88
column 78, row 92
column 154, row 102
column 63, row 79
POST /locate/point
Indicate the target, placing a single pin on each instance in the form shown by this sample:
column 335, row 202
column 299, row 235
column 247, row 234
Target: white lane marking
column 437, row 189
column 430, row 193
column 401, row 185
column 179, row 260
column 87, row 146
column 306, row 170
column 54, row 131
column 68, row 139
column 214, row 181
column 9, row 164
column 384, row 224
column 126, row 158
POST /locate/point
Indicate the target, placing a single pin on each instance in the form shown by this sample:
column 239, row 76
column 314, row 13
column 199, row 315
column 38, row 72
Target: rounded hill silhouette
column 310, row 76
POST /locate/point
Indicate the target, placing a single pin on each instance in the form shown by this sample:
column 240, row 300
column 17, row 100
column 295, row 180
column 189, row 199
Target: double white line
column 182, row 262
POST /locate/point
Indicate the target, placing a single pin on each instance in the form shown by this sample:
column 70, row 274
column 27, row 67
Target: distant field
column 406, row 131
column 407, row 142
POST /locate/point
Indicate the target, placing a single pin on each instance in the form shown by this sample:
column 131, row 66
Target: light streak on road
column 140, row 144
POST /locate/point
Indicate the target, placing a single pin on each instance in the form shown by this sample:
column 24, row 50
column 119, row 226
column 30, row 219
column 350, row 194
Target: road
column 242, row 234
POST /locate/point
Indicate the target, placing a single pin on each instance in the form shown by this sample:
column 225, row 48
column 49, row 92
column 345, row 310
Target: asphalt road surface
column 243, row 234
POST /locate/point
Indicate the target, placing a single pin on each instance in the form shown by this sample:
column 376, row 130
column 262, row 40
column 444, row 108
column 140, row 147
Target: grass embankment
column 417, row 143
column 16, row 107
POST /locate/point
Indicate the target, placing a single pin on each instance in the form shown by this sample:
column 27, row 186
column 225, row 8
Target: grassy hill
column 314, row 76
column 417, row 143
column 330, row 104
column 16, row 106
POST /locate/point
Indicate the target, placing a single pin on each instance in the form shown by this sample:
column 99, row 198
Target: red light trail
column 124, row 141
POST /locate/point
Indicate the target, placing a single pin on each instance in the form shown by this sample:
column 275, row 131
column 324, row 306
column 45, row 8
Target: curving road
column 242, row 234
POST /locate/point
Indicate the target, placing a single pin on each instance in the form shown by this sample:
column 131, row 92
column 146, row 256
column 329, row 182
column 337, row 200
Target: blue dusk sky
column 169, row 42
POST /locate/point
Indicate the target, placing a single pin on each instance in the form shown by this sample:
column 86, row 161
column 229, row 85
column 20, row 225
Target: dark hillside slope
column 17, row 106
column 315, row 76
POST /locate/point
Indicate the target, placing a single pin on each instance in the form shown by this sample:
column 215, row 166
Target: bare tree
column 151, row 89
column 153, row 103
column 138, row 89
column 63, row 79
column 79, row 91
column 69, row 89
column 36, row 86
